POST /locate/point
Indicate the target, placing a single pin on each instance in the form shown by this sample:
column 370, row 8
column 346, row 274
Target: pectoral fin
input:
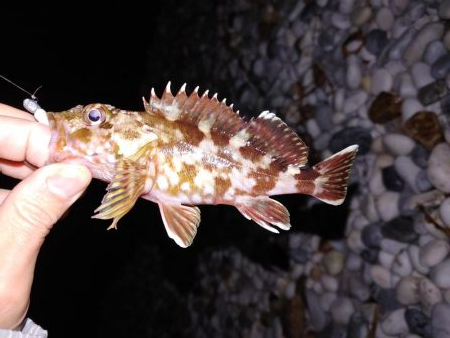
column 127, row 185
column 181, row 222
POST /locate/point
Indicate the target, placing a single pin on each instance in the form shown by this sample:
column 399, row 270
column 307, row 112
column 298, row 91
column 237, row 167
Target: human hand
column 28, row 212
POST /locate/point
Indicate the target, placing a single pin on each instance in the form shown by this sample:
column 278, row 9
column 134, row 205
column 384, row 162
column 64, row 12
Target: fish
column 188, row 150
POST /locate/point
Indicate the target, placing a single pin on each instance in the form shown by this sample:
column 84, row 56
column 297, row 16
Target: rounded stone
column 395, row 323
column 439, row 167
column 385, row 107
column 392, row 179
column 440, row 322
column 407, row 170
column 342, row 310
column 400, row 229
column 333, row 262
column 425, row 127
column 398, row 144
column 371, row 236
column 402, row 264
column 428, row 33
column 429, row 294
column 441, row 67
column 420, row 156
column 380, row 275
column 384, row 19
column 418, row 322
column 351, row 135
column 382, row 81
column 421, row 73
column 410, row 106
column 434, row 51
column 376, row 41
column 444, row 10
column 434, row 252
column 387, row 205
column 444, row 212
column 406, row 290
column 440, row 274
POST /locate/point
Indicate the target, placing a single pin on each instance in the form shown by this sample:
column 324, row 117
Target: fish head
column 96, row 135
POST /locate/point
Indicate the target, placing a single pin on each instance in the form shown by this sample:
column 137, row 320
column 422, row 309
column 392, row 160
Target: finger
column 23, row 140
column 15, row 169
column 14, row 112
column 3, row 194
column 26, row 216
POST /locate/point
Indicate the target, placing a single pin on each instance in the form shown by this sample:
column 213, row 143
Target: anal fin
column 265, row 211
column 181, row 222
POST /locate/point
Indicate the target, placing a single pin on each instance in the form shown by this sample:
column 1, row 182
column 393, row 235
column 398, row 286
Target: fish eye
column 95, row 116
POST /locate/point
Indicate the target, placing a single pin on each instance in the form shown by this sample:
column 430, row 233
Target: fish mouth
column 58, row 137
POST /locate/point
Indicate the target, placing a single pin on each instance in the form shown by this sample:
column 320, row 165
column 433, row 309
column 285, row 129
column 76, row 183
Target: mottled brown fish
column 186, row 150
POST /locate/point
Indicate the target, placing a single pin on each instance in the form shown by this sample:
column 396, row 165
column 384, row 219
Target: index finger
column 6, row 110
column 24, row 140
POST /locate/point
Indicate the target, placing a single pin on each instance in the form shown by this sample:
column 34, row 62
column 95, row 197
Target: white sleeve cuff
column 29, row 330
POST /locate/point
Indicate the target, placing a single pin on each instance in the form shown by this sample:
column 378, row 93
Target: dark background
column 134, row 281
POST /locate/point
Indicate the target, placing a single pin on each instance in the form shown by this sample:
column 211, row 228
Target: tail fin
column 331, row 185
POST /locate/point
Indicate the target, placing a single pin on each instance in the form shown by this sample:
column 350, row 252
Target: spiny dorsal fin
column 195, row 109
column 267, row 133
column 271, row 135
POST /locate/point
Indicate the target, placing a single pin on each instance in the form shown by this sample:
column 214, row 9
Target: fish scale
column 188, row 150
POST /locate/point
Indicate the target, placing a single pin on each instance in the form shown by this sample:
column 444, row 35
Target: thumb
column 36, row 203
column 26, row 217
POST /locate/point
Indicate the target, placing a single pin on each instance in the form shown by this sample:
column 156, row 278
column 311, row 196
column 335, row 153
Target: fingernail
column 68, row 181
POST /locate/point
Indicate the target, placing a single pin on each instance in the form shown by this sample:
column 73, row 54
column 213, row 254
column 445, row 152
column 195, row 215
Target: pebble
column 439, row 167
column 384, row 19
column 395, row 323
column 382, row 81
column 418, row 323
column 402, row 265
column 444, row 10
column 399, row 46
column 386, row 258
column 432, row 92
column 370, row 255
column 349, row 136
column 358, row 288
column 353, row 75
column 407, row 86
column 406, row 290
column 408, row 171
column 360, row 16
column 376, row 41
column 385, row 299
column 380, row 275
column 421, row 73
column 398, row 144
column 444, row 212
column 371, row 236
column 323, row 117
column 414, row 255
column 434, row 51
column 434, row 252
column 333, row 262
column 342, row 310
column 355, row 101
column 410, row 106
column 385, row 107
column 440, row 322
column 429, row 294
column 387, row 205
column 441, row 67
column 391, row 179
column 400, row 229
column 422, row 181
column 440, row 274
column 428, row 33
column 425, row 127
column 420, row 156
